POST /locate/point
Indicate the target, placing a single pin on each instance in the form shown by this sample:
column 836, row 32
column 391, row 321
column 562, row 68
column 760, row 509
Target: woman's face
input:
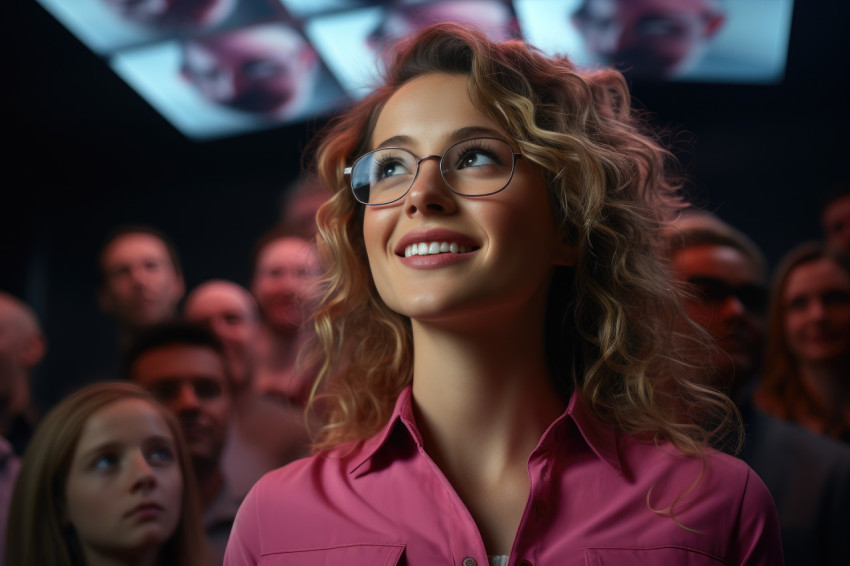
column 124, row 488
column 284, row 282
column 816, row 301
column 507, row 242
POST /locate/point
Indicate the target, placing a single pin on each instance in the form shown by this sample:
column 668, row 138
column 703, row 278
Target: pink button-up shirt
column 383, row 502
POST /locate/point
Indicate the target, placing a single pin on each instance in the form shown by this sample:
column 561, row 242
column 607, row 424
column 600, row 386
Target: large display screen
column 218, row 68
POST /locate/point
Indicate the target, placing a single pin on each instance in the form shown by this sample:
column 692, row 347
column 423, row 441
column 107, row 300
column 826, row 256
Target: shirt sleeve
column 243, row 546
column 759, row 540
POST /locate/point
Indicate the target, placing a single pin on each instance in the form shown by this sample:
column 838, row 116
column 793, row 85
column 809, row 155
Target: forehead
column 721, row 262
column 429, row 111
column 124, row 421
column 178, row 361
column 814, row 276
column 134, row 246
column 217, row 298
column 287, row 251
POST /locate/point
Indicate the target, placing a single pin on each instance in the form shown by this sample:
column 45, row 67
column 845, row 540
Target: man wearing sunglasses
column 808, row 475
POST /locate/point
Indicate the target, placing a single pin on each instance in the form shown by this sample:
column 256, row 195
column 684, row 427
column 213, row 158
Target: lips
column 146, row 509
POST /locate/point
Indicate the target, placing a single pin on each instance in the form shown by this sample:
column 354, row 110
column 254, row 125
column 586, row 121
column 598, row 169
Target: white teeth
column 434, row 248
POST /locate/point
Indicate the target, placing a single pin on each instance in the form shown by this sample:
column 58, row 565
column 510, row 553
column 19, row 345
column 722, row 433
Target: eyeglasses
column 713, row 290
column 476, row 167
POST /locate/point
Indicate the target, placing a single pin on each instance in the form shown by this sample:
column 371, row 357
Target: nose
column 186, row 399
column 733, row 307
column 429, row 193
column 143, row 477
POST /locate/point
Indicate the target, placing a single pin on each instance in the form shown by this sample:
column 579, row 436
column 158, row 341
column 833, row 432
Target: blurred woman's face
column 816, row 302
column 124, row 487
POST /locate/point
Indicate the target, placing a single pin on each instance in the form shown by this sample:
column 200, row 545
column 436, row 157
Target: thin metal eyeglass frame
column 348, row 170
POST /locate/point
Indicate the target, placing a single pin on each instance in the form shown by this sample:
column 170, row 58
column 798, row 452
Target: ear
column 34, row 349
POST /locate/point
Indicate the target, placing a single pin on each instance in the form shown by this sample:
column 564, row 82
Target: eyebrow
column 457, row 135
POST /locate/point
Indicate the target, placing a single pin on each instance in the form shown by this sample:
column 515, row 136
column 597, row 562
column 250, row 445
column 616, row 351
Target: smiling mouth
column 434, row 248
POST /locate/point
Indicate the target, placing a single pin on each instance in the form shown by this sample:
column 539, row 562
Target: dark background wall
column 83, row 153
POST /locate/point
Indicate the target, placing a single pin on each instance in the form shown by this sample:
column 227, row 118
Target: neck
column 483, row 398
column 140, row 557
column 827, row 384
column 483, row 394
column 210, row 480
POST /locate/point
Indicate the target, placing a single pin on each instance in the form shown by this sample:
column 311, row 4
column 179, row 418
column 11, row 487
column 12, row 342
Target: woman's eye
column 161, row 455
column 390, row 168
column 477, row 158
column 105, row 462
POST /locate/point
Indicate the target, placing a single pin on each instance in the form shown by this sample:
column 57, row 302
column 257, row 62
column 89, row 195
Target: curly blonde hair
column 613, row 321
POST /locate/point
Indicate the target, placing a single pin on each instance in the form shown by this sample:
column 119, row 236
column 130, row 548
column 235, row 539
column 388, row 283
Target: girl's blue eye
column 160, row 455
column 105, row 461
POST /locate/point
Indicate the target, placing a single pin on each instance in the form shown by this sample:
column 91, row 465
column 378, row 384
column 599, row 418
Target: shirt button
column 469, row 561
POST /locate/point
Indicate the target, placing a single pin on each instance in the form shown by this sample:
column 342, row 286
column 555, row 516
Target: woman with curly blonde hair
column 504, row 375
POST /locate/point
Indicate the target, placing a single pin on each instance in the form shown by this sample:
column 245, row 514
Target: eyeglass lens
column 474, row 167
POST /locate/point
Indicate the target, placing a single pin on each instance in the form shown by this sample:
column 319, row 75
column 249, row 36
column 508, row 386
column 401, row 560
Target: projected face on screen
column 267, row 69
column 172, row 13
column 657, row 39
column 405, row 17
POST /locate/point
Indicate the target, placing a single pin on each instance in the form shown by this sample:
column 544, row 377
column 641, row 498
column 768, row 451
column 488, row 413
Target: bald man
column 22, row 346
column 230, row 312
column 264, row 432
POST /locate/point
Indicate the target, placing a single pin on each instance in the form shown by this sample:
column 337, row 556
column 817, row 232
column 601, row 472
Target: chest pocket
column 348, row 555
column 656, row 556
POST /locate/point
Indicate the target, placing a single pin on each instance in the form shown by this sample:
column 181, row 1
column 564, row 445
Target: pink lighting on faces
column 141, row 286
column 284, row 282
column 124, row 486
column 816, row 305
column 230, row 312
column 190, row 381
column 737, row 329
column 498, row 270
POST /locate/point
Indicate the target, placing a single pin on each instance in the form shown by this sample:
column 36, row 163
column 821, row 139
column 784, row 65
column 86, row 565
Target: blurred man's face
column 230, row 313
column 493, row 17
column 190, row 381
column 284, row 282
column 172, row 13
column 268, row 69
column 141, row 286
column 728, row 301
column 653, row 38
column 836, row 224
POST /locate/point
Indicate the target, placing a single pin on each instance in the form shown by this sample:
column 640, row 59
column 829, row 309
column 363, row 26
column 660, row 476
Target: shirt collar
column 600, row 437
